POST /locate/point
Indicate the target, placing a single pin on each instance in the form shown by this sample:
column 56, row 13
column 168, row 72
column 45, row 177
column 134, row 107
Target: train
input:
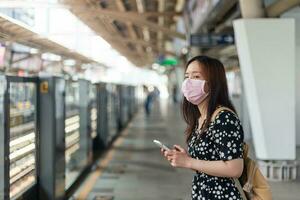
column 53, row 128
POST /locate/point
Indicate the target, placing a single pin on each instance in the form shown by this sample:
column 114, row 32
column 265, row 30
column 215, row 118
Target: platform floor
column 133, row 169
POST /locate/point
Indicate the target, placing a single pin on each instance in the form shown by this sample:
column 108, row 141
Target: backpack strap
column 240, row 188
column 245, row 151
column 251, row 170
column 213, row 117
column 218, row 110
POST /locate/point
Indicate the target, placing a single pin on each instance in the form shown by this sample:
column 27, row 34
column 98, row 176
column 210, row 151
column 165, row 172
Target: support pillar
column 267, row 61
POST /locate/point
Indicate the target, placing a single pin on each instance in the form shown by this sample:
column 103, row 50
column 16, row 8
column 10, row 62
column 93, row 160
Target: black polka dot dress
column 222, row 140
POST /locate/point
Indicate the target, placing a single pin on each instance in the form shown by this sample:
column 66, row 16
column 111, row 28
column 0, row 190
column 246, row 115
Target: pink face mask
column 193, row 90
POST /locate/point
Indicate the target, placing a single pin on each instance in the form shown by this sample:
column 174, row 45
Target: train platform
column 133, row 168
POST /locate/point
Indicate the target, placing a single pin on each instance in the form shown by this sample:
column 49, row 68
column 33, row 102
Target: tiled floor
column 289, row 190
column 137, row 171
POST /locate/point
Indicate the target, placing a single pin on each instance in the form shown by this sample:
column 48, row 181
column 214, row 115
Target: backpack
column 252, row 185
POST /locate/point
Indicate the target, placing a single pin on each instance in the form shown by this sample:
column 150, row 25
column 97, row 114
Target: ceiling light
column 34, row 51
column 184, row 50
column 69, row 62
column 51, row 57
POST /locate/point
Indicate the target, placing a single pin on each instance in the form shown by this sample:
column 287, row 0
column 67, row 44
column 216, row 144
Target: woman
column 215, row 146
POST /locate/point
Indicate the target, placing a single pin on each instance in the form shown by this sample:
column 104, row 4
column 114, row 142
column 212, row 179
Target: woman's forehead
column 194, row 67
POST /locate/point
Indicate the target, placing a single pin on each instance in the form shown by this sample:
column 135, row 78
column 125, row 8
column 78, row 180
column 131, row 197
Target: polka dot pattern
column 222, row 140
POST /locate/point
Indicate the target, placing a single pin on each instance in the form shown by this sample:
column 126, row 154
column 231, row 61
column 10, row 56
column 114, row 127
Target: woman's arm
column 179, row 158
column 232, row 168
column 228, row 143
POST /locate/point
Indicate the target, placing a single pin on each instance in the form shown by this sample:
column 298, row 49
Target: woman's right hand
column 167, row 153
column 164, row 152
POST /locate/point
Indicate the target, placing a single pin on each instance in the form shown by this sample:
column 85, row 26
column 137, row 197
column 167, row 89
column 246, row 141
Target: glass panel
column 93, row 111
column 126, row 103
column 111, row 111
column 76, row 157
column 22, row 142
column 2, row 131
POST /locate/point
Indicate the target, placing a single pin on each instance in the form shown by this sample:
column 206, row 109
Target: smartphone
column 161, row 145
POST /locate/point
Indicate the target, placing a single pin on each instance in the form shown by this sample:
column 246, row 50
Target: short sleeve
column 228, row 136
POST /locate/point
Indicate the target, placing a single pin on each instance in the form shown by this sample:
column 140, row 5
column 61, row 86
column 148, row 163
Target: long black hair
column 214, row 73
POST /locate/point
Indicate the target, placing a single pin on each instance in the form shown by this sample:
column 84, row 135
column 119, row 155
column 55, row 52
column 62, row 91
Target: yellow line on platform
column 87, row 188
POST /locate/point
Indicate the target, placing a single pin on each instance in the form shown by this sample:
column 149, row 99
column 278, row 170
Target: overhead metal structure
column 13, row 31
column 220, row 19
column 138, row 29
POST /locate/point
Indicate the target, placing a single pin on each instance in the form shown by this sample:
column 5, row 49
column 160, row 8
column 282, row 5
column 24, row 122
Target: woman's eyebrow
column 193, row 72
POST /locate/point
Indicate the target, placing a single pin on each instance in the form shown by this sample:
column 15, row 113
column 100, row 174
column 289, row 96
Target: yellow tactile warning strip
column 86, row 189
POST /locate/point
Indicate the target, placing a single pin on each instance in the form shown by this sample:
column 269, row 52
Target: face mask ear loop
column 203, row 89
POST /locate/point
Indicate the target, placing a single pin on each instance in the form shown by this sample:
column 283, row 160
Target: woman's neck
column 202, row 107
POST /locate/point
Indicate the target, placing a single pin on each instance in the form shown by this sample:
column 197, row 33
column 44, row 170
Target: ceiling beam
column 23, row 58
column 140, row 42
column 162, row 14
column 144, row 15
column 100, row 20
column 38, row 4
column 141, row 10
column 280, row 6
column 132, row 17
column 129, row 24
column 152, row 46
column 102, row 25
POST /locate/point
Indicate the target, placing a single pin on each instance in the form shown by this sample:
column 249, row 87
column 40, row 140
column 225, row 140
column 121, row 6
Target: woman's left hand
column 179, row 157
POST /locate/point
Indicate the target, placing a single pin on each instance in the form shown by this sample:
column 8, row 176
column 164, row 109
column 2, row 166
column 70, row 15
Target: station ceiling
column 138, row 29
column 13, row 31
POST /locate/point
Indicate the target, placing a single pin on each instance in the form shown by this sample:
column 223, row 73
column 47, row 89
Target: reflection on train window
column 22, row 137
column 74, row 155
column 111, row 111
column 93, row 110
